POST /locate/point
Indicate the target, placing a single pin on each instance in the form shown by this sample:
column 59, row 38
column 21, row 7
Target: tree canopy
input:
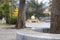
column 34, row 8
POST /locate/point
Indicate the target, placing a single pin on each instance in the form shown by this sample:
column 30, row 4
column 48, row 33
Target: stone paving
column 7, row 32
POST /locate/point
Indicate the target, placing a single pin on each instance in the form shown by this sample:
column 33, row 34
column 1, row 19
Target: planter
column 35, row 34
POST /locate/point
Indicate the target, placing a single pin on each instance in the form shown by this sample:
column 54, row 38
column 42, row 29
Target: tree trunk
column 21, row 15
column 55, row 17
column 7, row 18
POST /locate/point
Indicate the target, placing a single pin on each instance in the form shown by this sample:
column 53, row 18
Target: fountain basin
column 35, row 34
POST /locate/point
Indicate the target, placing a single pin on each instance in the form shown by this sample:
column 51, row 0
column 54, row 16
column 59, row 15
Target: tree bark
column 21, row 15
column 55, row 17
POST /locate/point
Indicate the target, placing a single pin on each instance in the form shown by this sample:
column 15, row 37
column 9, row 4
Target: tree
column 55, row 17
column 6, row 8
column 21, row 15
column 33, row 7
column 50, row 5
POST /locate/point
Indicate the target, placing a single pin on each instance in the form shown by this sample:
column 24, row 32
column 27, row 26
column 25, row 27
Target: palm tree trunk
column 21, row 15
column 55, row 17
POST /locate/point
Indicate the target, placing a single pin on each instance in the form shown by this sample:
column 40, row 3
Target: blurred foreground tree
column 55, row 17
column 21, row 15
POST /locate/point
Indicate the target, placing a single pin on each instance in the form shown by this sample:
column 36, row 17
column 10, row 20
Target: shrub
column 12, row 20
column 1, row 15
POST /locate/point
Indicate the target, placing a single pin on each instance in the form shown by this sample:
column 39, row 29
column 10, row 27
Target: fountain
column 33, row 19
column 32, row 34
column 36, row 31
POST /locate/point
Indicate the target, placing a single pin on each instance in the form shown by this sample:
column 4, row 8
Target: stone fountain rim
column 31, row 33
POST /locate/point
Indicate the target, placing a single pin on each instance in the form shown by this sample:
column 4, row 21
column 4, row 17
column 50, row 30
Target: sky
column 46, row 2
column 43, row 1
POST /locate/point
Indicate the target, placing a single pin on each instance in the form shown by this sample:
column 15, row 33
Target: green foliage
column 50, row 6
column 7, row 8
column 34, row 8
column 28, row 15
column 1, row 15
column 12, row 20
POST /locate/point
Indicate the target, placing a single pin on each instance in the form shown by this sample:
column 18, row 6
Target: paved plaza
column 7, row 32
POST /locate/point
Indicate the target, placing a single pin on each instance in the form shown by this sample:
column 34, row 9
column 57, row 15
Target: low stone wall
column 28, row 34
